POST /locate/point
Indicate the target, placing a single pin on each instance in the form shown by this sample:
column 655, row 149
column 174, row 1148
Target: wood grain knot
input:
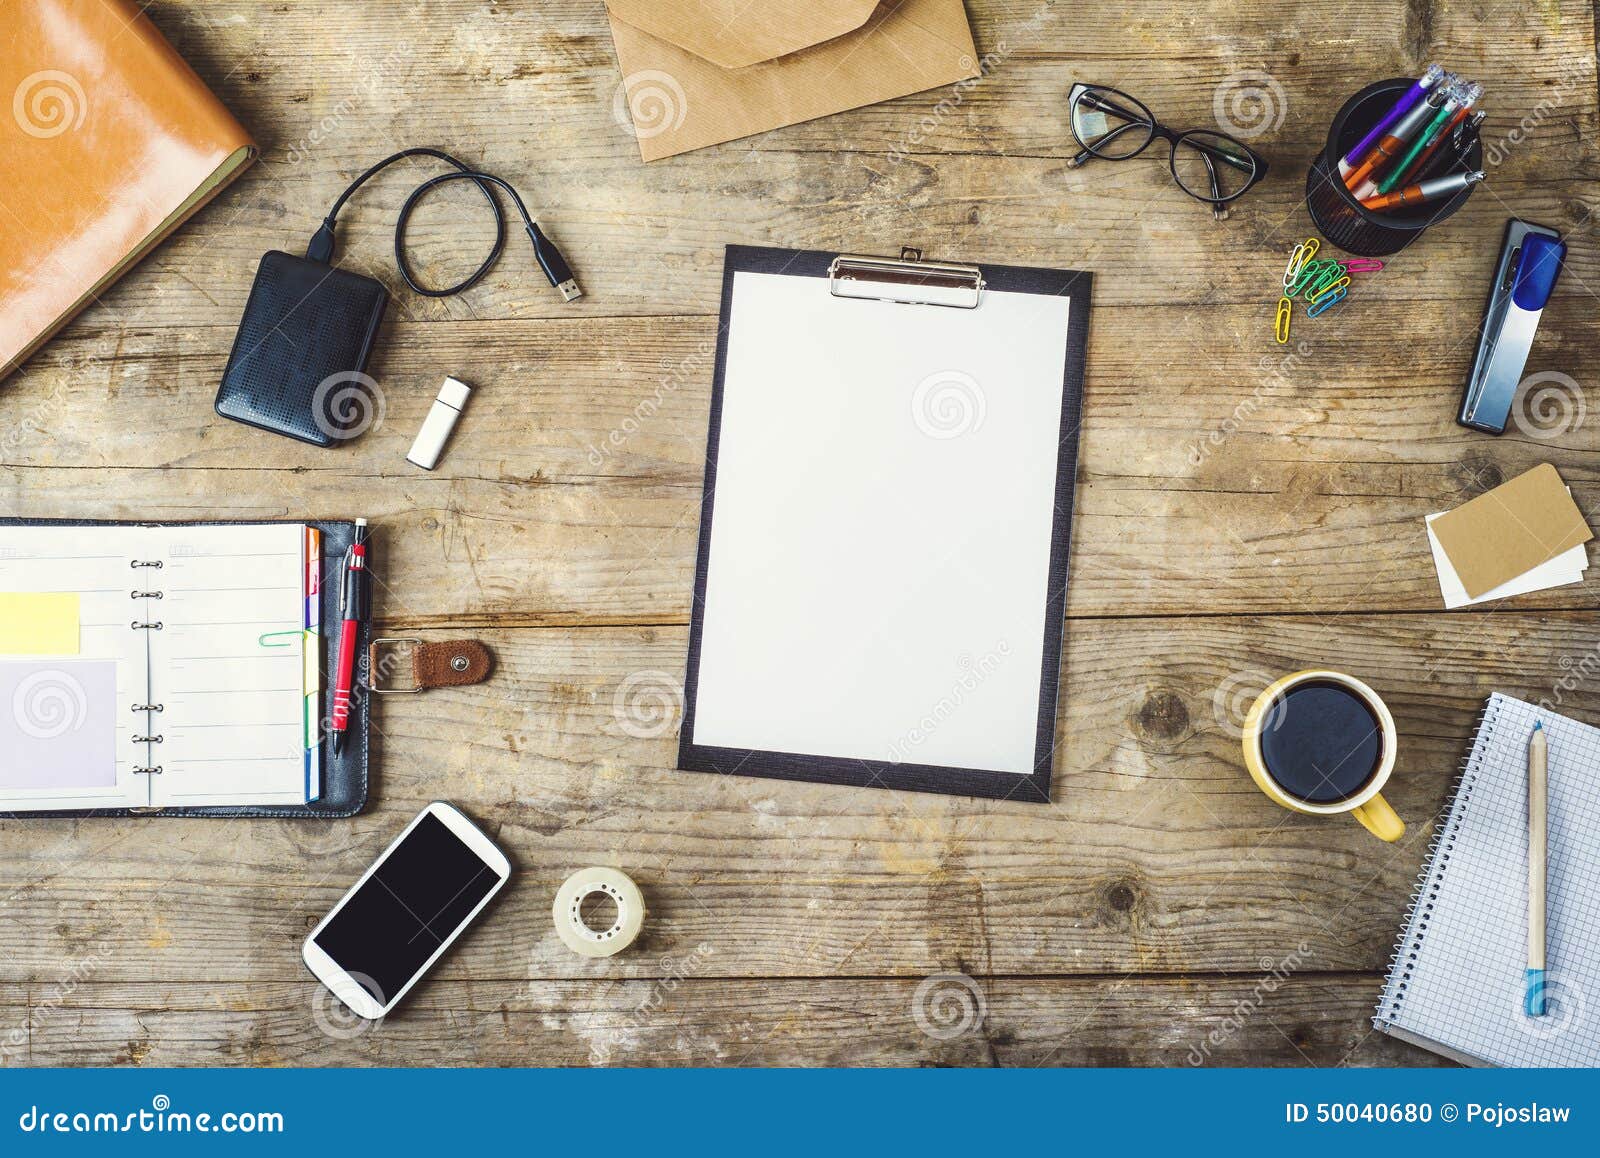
column 1121, row 903
column 1162, row 717
column 1477, row 473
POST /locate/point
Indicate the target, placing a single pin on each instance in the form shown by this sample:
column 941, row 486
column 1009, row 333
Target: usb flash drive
column 441, row 420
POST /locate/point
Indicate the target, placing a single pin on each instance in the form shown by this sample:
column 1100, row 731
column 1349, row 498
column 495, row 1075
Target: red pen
column 352, row 609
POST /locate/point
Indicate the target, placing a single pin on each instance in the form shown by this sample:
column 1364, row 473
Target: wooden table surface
column 1242, row 511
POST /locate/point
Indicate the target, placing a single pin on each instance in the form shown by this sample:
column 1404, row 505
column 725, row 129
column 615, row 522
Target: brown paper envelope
column 699, row 72
column 1511, row 529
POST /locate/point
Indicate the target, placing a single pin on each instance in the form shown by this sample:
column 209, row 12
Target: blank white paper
column 878, row 572
column 1563, row 570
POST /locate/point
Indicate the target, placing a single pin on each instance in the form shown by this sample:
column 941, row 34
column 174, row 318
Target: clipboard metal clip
column 908, row 280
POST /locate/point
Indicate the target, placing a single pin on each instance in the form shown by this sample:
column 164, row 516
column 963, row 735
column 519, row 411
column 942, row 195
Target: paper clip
column 1328, row 289
column 284, row 635
column 1303, row 253
column 1310, row 274
column 1363, row 265
column 1325, row 303
column 1281, row 324
column 1324, row 279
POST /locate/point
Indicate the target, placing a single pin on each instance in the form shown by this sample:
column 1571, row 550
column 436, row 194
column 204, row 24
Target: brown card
column 1511, row 529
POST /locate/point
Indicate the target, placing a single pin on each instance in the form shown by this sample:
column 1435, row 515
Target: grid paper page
column 1458, row 976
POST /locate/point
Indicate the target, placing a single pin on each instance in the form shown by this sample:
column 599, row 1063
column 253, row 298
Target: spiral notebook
column 1457, row 985
column 173, row 667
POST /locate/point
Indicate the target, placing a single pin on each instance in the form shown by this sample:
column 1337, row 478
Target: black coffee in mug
column 1321, row 742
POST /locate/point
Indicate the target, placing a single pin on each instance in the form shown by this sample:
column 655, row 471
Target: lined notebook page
column 1458, row 978
column 228, row 665
column 64, row 713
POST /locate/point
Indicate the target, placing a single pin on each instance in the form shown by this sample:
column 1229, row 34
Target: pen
column 352, row 609
column 1395, row 140
column 1538, row 753
column 1454, row 111
column 1412, row 95
column 1462, row 138
column 1423, row 191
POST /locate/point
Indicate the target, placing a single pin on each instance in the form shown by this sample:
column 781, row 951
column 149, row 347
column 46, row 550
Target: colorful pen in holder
column 1338, row 215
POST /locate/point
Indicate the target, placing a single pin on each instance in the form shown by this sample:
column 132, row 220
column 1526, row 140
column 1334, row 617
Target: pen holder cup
column 1338, row 215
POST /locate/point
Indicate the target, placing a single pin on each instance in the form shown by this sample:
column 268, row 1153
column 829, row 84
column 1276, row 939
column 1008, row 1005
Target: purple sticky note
column 58, row 724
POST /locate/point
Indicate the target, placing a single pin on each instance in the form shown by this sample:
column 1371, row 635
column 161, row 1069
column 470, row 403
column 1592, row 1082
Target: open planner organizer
column 884, row 535
column 174, row 667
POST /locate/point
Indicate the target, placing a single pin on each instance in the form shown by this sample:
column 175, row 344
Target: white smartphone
column 406, row 910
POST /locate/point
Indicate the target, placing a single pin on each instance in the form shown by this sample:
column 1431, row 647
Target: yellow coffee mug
column 1371, row 809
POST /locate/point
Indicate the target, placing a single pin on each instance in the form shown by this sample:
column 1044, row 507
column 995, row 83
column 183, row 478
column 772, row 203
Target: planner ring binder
column 219, row 658
column 941, row 283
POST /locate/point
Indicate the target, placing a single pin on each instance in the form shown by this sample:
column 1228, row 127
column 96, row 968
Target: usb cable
column 549, row 257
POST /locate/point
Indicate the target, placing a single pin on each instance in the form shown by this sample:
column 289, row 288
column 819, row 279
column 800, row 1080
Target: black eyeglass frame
column 1145, row 119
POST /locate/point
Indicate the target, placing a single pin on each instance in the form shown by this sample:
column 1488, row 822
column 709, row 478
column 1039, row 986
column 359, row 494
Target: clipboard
column 886, row 522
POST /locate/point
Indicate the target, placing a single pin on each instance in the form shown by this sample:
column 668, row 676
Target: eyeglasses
column 1209, row 166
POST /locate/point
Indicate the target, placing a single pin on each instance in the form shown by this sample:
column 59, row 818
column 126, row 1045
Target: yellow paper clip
column 1281, row 324
column 1325, row 290
column 1325, row 303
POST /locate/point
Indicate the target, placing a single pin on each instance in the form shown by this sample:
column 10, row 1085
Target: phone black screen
column 418, row 897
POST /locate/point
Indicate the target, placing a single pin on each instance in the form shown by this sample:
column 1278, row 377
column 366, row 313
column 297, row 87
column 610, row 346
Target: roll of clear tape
column 575, row 932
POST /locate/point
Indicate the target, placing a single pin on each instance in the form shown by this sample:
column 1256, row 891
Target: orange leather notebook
column 108, row 142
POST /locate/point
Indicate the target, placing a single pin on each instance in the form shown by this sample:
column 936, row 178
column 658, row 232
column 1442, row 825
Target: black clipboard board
column 922, row 285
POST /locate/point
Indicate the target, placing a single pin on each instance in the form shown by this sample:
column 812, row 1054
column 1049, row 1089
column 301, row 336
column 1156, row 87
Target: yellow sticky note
column 313, row 658
column 38, row 623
